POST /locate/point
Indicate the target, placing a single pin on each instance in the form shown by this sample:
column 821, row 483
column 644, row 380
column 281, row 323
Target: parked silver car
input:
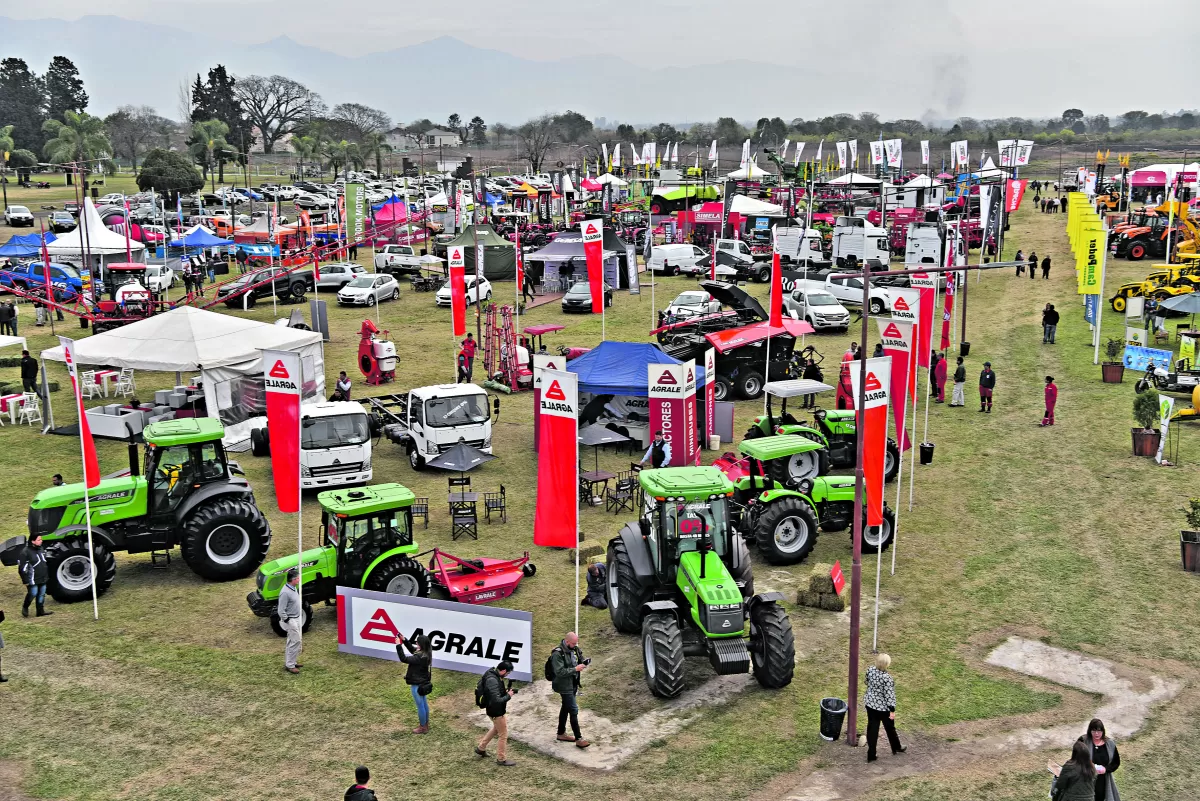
column 368, row 289
column 336, row 276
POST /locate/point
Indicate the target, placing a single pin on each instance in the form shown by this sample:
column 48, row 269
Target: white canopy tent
column 990, row 170
column 1169, row 170
column 922, row 182
column 749, row 173
column 752, row 207
column 921, row 191
column 100, row 241
column 854, row 179
column 609, row 178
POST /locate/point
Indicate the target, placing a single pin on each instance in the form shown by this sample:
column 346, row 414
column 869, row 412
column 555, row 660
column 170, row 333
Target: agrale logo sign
column 555, row 400
column 279, row 380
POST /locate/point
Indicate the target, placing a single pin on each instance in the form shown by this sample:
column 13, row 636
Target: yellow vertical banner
column 1092, row 241
column 1187, row 349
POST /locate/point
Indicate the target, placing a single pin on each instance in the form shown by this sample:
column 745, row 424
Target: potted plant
column 1113, row 370
column 1145, row 412
column 1189, row 538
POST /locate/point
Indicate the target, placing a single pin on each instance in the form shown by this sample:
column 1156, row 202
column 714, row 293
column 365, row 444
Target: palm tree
column 78, row 139
column 342, row 155
column 305, row 147
column 208, row 143
column 375, row 143
column 6, row 145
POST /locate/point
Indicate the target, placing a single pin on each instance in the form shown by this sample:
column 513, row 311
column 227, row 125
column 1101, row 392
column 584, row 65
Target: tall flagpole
column 900, row 438
column 69, row 347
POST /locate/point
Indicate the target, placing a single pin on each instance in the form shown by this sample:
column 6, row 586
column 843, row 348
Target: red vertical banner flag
column 458, row 291
column 897, row 338
column 281, row 374
column 556, row 516
column 872, row 427
column 687, row 435
column 948, row 309
column 906, row 308
column 593, row 251
column 776, row 313
column 316, row 269
column 927, row 285
column 46, row 266
column 541, row 362
column 1014, row 191
column 710, row 394
column 665, row 390
column 712, row 273
column 91, row 465
column 520, row 270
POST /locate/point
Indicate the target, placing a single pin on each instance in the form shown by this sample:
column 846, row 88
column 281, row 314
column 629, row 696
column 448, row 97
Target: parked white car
column 17, row 216
column 675, row 259
column 336, row 276
column 369, row 289
column 159, row 277
column 692, row 303
column 850, row 290
column 112, row 198
column 474, row 291
column 820, row 309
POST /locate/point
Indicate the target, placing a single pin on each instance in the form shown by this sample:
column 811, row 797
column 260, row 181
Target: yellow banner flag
column 1089, row 257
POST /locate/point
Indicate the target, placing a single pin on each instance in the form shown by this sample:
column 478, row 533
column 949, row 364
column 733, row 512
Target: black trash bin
column 964, row 349
column 926, row 453
column 833, row 712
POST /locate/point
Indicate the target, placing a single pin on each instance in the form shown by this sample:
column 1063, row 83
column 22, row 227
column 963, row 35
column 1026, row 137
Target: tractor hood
column 734, row 297
column 715, row 599
column 764, row 449
column 286, row 563
column 110, row 492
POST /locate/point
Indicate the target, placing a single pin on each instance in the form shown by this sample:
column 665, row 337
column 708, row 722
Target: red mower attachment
column 478, row 581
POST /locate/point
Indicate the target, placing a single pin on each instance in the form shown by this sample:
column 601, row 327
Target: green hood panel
column 717, row 586
column 777, row 447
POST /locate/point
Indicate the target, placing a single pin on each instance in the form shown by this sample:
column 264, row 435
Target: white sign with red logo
column 593, row 251
column 281, row 375
column 906, row 305
column 463, row 637
column 926, row 284
column 555, row 519
column 458, row 291
column 710, row 394
column 872, row 427
column 1014, row 192
column 667, row 390
column 897, row 337
column 542, row 361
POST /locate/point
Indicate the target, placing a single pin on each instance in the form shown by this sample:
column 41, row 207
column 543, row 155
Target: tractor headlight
column 260, row 580
column 305, row 472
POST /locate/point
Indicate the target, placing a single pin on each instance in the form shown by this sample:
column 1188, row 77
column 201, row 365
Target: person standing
column 1033, row 263
column 5, row 318
column 1020, row 260
column 939, row 378
column 1077, row 778
column 34, row 572
column 987, row 383
column 1051, row 399
column 29, row 373
column 527, row 288
column 291, row 617
column 881, row 707
column 959, row 399
column 419, row 676
column 1106, row 759
column 812, row 371
column 343, row 386
column 241, row 259
column 933, row 363
column 359, row 790
column 1049, row 324
column 878, row 352
column 495, row 702
column 566, row 663
column 468, row 347
column 659, row 452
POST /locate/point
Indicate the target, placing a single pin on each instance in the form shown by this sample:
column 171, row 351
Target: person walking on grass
column 1077, row 778
column 1033, row 263
column 958, row 399
column 1105, row 757
column 881, row 707
column 987, row 384
column 939, row 378
column 1020, row 260
column 419, row 676
column 34, row 572
column 494, row 698
column 566, row 665
column 1049, row 324
column 291, row 617
column 359, row 790
column 1051, row 399
column 1046, row 268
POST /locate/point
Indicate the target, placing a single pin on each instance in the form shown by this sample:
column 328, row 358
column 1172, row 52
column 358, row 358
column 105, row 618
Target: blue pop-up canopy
column 200, row 237
column 619, row 368
column 20, row 247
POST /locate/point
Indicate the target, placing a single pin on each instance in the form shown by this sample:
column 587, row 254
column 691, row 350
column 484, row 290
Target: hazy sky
column 951, row 58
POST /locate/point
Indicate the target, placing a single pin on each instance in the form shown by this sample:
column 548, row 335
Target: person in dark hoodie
column 34, row 573
column 987, row 385
column 495, row 702
column 359, row 790
column 419, row 676
column 597, row 586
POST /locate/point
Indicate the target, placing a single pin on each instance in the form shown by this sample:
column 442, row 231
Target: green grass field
column 178, row 693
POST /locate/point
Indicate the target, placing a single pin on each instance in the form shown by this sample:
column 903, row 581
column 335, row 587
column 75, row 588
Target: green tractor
column 366, row 541
column 681, row 577
column 836, row 430
column 783, row 515
column 187, row 496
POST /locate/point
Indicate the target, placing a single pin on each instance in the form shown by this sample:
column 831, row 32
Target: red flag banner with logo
column 872, row 427
column 948, row 309
column 281, row 374
column 46, row 266
column 316, row 269
column 458, row 290
column 520, row 265
column 666, row 389
column 1014, row 192
column 687, row 436
column 542, row 361
column 710, row 394
column 776, row 315
column 906, row 308
column 897, row 338
column 91, row 465
column 927, row 285
column 593, row 250
column 555, row 520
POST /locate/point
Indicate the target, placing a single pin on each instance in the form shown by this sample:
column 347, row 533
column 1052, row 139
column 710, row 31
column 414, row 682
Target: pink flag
column 897, row 337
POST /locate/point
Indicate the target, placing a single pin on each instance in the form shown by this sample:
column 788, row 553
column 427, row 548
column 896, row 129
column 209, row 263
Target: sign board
column 542, row 361
column 667, row 388
column 839, row 580
column 1135, row 336
column 1091, row 308
column 464, row 637
column 1139, row 358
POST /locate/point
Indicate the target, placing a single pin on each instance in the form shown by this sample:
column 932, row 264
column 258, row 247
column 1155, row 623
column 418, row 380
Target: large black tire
column 882, row 537
column 796, row 468
column 662, row 654
column 399, row 575
column 877, row 306
column 225, row 538
column 891, row 460
column 722, row 388
column 786, row 531
column 740, row 568
column 625, row 594
column 70, row 572
column 750, row 384
column 277, row 627
column 260, row 442
column 772, row 646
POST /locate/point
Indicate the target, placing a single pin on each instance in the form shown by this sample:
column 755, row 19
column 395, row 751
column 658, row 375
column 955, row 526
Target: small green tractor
column 366, row 541
column 681, row 577
column 187, row 496
column 782, row 514
column 836, row 430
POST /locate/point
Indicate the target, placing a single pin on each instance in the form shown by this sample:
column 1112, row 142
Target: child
column 1051, row 399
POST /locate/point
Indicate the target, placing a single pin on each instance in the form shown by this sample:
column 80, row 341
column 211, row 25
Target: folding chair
column 31, row 409
column 464, row 522
column 495, row 502
column 124, row 386
column 90, row 388
column 420, row 508
column 460, row 484
column 622, row 494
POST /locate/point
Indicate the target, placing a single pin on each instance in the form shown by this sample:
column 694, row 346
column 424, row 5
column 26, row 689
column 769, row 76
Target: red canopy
column 737, row 337
column 545, row 328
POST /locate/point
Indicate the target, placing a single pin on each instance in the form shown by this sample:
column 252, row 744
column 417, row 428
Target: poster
column 555, row 520
column 667, row 386
column 872, row 426
column 282, row 380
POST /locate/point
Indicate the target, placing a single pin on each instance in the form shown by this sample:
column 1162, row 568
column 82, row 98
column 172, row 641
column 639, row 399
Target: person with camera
column 419, row 676
column 566, row 665
column 492, row 696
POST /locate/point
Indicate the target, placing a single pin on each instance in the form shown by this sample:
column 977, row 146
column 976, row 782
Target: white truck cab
column 429, row 421
column 854, row 236
column 335, row 444
column 800, row 245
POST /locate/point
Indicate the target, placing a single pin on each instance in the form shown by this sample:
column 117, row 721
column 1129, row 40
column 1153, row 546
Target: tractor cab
column 685, row 514
column 125, row 285
column 182, row 456
column 362, row 524
column 768, row 424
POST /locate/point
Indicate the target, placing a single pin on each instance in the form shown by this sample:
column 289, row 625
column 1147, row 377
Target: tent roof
column 200, row 237
column 487, row 237
column 101, row 241
column 619, row 368
column 184, row 338
column 922, row 182
column 609, row 178
column 565, row 245
column 854, row 178
column 749, row 172
column 27, row 245
column 753, row 207
column 591, row 184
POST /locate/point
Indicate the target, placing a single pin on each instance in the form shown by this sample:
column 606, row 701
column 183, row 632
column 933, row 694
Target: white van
column 674, row 259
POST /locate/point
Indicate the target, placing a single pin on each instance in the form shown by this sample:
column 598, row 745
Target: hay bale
column 806, row 598
column 832, row 602
column 820, row 580
column 587, row 549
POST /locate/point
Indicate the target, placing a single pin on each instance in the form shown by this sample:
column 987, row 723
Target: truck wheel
column 277, row 627
column 763, row 275
column 722, row 388
column 415, row 460
column 750, row 384
column 71, row 573
column 787, row 531
column 625, row 594
column 891, row 460
column 877, row 306
column 740, row 568
column 878, row 538
column 297, row 289
column 790, row 471
column 225, row 538
column 399, row 575
column 662, row 654
column 772, row 645
column 260, row 443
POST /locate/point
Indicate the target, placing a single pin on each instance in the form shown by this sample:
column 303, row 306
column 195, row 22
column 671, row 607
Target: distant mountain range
column 127, row 62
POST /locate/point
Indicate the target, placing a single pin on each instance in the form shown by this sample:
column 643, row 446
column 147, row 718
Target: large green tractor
column 783, row 515
column 681, row 577
column 366, row 541
column 186, row 496
column 836, row 430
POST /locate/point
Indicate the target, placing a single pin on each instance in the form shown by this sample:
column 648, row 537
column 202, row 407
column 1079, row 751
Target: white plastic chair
column 89, row 387
column 125, row 385
column 31, row 409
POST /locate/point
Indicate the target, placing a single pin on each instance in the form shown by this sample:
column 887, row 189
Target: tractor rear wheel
column 625, row 594
column 225, row 538
column 277, row 627
column 260, row 443
column 399, row 575
column 772, row 646
column 787, row 531
column 878, row 538
column 740, row 568
column 891, row 460
column 71, row 572
column 662, row 654
column 1118, row 303
column 750, row 384
column 791, row 470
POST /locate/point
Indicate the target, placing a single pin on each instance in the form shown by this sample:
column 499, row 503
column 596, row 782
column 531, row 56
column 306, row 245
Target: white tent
column 749, row 173
column 922, row 182
column 1168, row 170
column 990, row 170
column 100, row 241
column 609, row 178
column 854, row 179
column 752, row 207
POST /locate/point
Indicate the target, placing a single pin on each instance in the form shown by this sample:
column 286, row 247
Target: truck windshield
column 335, row 431
column 462, row 410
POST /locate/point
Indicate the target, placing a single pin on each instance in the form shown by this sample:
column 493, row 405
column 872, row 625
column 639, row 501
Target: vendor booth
column 23, row 247
column 562, row 262
column 92, row 237
column 499, row 254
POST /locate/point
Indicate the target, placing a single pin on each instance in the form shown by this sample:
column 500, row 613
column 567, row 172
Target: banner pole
column 1099, row 305
column 912, row 466
column 879, row 550
column 87, row 503
column 900, row 469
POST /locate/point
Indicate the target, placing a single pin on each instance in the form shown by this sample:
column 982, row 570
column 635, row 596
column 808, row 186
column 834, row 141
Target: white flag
column 636, row 159
column 799, row 150
column 893, row 149
column 667, row 155
column 876, row 152
column 712, row 151
column 924, row 151
column 616, row 159
column 783, row 150
column 841, row 149
column 820, row 145
column 745, row 154
column 960, row 153
column 604, row 153
column 675, row 155
column 648, row 153
column 854, row 152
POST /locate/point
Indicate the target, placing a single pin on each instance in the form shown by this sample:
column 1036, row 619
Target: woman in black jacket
column 1077, row 778
column 1105, row 757
column 419, row 676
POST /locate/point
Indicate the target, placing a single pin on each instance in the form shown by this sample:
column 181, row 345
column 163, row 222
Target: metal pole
column 900, row 470
column 859, row 497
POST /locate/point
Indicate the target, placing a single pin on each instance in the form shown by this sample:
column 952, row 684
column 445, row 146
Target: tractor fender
column 10, row 550
column 651, row 607
column 763, row 598
column 403, row 550
column 639, row 554
column 209, row 491
column 99, row 535
column 773, row 495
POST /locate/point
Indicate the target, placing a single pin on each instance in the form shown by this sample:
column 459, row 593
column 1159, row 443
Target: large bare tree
column 535, row 138
column 362, row 119
column 131, row 129
column 275, row 104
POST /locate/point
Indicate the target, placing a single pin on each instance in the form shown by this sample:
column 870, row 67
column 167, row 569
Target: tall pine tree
column 63, row 88
column 215, row 99
column 22, row 104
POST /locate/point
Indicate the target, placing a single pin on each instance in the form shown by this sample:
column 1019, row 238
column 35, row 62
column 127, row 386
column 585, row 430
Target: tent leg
column 48, row 424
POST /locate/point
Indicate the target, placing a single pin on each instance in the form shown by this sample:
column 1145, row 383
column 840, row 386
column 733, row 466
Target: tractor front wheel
column 787, row 531
column 625, row 594
column 1118, row 303
column 662, row 654
column 225, row 538
column 891, row 460
column 1137, row 252
column 878, row 538
column 71, row 572
column 399, row 575
column 278, row 628
column 772, row 646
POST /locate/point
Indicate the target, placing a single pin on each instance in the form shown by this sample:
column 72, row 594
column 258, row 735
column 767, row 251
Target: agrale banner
column 897, row 337
column 1014, row 192
column 555, row 521
column 542, row 362
column 91, row 464
column 463, row 637
column 872, row 426
column 710, row 394
column 458, row 291
column 927, row 285
column 281, row 374
column 667, row 390
column 924, row 151
column 593, row 251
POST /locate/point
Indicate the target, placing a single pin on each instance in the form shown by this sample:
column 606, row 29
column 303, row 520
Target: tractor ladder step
column 729, row 656
column 160, row 556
